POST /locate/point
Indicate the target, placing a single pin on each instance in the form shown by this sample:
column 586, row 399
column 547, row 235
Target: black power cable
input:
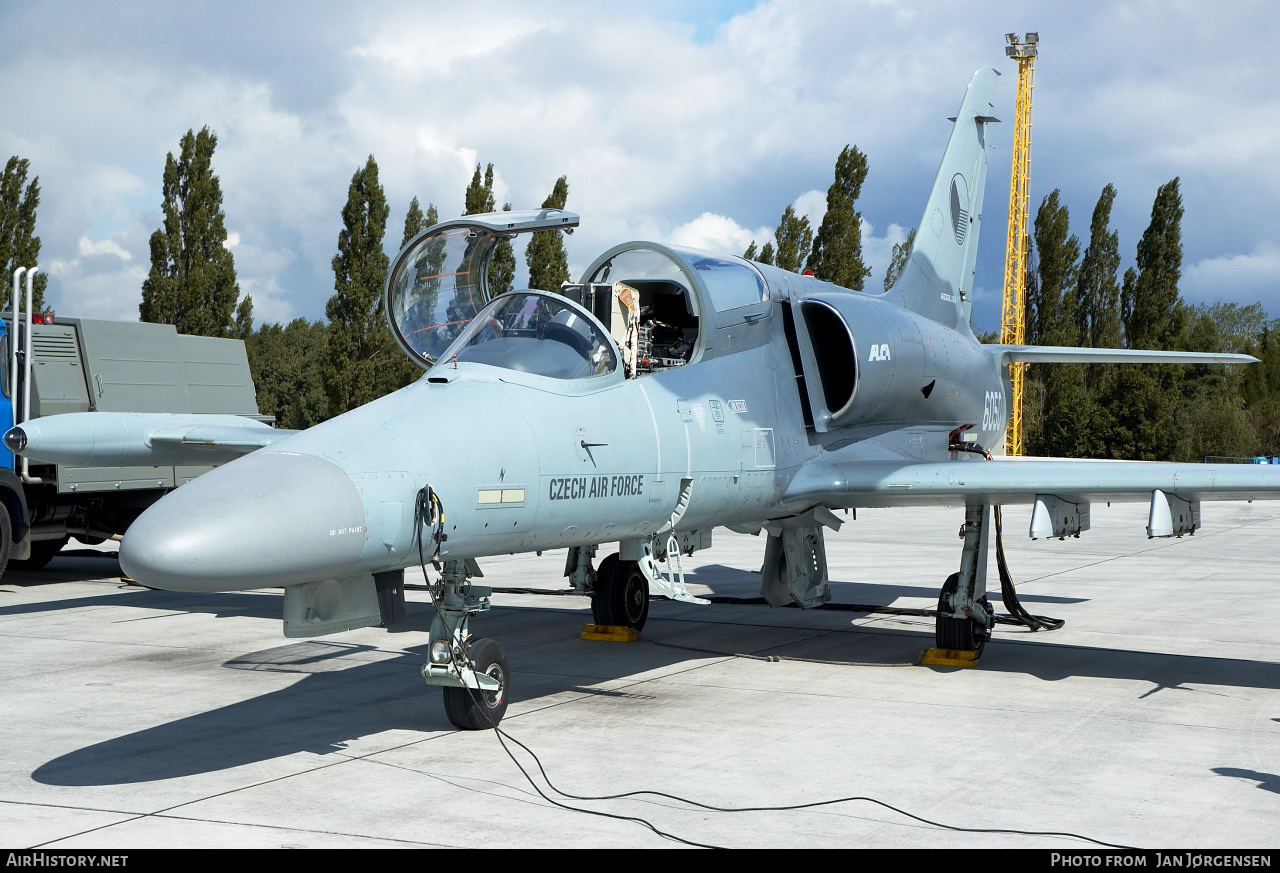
column 1008, row 594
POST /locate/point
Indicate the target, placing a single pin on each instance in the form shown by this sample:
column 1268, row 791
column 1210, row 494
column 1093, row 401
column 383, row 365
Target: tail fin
column 938, row 279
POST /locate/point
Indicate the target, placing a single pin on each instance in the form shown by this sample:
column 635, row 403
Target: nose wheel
column 621, row 595
column 473, row 709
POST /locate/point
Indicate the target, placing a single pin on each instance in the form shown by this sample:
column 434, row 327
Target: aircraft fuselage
column 523, row 462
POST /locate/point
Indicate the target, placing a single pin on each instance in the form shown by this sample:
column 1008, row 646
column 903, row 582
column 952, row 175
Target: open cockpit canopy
column 660, row 302
column 440, row 280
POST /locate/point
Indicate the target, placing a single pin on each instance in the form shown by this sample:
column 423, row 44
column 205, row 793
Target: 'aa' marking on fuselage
column 579, row 487
column 879, row 352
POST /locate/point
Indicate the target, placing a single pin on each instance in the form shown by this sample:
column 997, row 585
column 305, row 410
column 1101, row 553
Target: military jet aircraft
column 668, row 393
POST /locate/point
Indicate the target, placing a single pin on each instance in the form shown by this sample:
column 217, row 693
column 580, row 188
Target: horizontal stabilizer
column 1010, row 354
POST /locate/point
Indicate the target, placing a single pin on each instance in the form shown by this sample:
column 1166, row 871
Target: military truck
column 88, row 365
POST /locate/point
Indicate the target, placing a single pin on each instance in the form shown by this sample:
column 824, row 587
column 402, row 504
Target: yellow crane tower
column 1013, row 309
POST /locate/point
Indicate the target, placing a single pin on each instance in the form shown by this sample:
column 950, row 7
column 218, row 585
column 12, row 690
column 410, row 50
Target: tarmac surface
column 138, row 719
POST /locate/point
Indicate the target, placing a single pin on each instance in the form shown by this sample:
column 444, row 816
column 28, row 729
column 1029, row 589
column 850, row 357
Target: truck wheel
column 6, row 539
column 42, row 552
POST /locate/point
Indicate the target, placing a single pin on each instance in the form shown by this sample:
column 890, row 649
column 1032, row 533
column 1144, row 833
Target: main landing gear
column 621, row 594
column 965, row 619
column 958, row 634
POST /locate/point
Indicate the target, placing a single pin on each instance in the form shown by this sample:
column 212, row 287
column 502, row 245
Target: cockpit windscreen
column 535, row 333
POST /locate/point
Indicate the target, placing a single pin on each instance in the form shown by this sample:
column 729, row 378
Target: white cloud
column 1239, row 277
column 877, row 251
column 110, row 288
column 718, row 233
column 104, row 247
column 812, row 205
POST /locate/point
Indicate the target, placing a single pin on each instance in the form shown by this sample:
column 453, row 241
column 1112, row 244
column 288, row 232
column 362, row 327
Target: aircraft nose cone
column 262, row 521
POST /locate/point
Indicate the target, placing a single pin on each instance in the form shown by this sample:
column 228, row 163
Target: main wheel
column 42, row 552
column 474, row 710
column 621, row 595
column 963, row 634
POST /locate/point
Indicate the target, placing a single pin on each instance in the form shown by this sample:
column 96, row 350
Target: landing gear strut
column 960, row 634
column 475, row 675
column 621, row 595
column 965, row 619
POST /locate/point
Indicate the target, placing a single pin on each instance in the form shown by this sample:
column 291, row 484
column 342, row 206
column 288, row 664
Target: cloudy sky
column 687, row 122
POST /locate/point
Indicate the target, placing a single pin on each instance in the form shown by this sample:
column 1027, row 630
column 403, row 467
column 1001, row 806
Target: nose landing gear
column 474, row 674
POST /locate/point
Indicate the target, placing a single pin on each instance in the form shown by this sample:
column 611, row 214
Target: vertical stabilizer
column 938, row 279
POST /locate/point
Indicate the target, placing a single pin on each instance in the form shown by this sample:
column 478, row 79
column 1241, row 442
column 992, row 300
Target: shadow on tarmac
column 342, row 694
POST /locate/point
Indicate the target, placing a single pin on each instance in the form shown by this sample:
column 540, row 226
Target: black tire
column 961, row 634
column 42, row 552
column 473, row 710
column 6, row 539
column 621, row 596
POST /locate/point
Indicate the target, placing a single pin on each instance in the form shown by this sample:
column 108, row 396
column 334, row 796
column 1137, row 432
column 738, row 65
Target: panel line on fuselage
column 657, row 431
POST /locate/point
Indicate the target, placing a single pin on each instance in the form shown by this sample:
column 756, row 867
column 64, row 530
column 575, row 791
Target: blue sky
column 680, row 122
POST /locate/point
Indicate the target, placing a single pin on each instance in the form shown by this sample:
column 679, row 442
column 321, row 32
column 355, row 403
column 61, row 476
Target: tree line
column 308, row 371
column 1145, row 411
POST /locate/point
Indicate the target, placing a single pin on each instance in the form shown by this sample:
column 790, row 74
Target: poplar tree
column 1051, row 303
column 898, row 260
column 479, row 199
column 837, row 246
column 795, row 239
column 1157, row 316
column 360, row 345
column 766, row 253
column 192, row 283
column 1051, row 320
column 415, row 222
column 242, row 326
column 1141, row 398
column 1097, row 290
column 1098, row 325
column 502, row 267
column 750, row 254
column 19, row 246
column 545, row 254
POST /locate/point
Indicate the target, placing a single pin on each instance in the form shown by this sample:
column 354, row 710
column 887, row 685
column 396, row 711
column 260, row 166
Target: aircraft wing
column 139, row 438
column 841, row 483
